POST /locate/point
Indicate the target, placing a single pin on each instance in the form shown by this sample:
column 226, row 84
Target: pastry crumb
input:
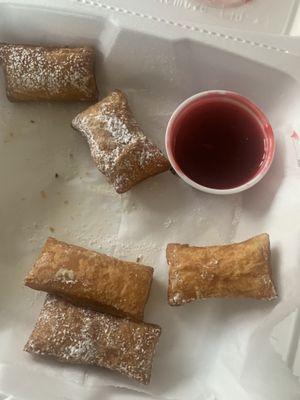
column 43, row 194
column 139, row 258
column 32, row 121
column 51, row 229
column 56, row 175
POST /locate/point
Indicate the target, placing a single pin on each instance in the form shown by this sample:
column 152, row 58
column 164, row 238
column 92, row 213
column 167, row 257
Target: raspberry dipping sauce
column 220, row 142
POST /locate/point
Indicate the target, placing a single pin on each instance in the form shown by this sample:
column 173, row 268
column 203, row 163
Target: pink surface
column 225, row 3
column 295, row 135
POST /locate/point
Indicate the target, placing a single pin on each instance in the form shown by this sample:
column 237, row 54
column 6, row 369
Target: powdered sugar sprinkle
column 78, row 335
column 49, row 72
column 118, row 146
column 65, row 275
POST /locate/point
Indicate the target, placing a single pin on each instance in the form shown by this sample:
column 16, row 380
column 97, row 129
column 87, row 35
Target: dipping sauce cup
column 220, row 142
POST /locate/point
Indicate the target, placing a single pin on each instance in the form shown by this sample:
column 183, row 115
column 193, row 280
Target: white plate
column 208, row 349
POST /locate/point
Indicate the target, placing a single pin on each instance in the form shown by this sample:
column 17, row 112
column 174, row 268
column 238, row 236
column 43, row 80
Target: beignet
column 235, row 270
column 81, row 336
column 118, row 146
column 36, row 73
column 92, row 279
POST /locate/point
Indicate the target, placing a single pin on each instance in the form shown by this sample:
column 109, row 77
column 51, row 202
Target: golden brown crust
column 118, row 146
column 79, row 336
column 92, row 279
column 235, row 270
column 35, row 73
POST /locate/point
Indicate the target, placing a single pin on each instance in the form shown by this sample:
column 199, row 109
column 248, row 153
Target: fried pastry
column 35, row 73
column 92, row 279
column 235, row 270
column 118, row 145
column 81, row 336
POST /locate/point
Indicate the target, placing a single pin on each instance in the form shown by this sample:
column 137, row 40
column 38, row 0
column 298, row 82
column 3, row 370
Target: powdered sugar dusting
column 45, row 73
column 78, row 335
column 118, row 129
column 176, row 299
column 118, row 146
column 268, row 287
column 65, row 275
